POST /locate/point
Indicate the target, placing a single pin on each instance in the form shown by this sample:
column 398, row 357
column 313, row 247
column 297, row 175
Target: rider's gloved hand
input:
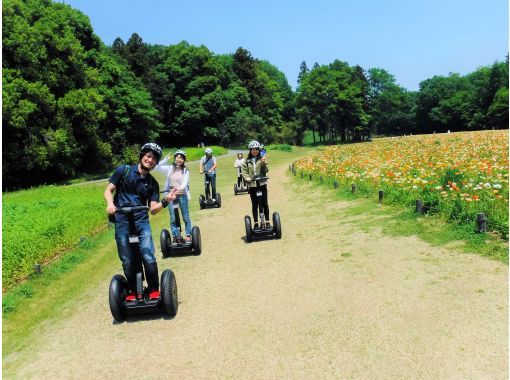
column 248, row 179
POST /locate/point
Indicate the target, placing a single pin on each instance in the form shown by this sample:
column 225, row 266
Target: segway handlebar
column 167, row 190
column 128, row 209
column 259, row 178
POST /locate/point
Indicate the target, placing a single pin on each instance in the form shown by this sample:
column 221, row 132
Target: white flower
column 497, row 186
column 487, row 185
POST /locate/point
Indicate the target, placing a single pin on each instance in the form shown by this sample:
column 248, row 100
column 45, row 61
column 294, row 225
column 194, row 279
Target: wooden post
column 481, row 222
column 335, row 184
column 353, row 188
column 37, row 268
column 381, row 195
column 419, row 206
column 301, row 174
column 310, row 177
column 321, row 180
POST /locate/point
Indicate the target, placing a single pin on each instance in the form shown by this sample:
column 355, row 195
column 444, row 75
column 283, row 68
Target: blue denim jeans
column 211, row 177
column 127, row 255
column 183, row 205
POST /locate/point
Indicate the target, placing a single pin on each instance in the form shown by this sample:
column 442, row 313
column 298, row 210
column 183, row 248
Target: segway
column 243, row 188
column 119, row 306
column 274, row 231
column 169, row 248
column 206, row 202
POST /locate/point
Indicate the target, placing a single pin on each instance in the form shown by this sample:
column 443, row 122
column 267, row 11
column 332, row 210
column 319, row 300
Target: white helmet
column 254, row 144
column 208, row 151
column 181, row 152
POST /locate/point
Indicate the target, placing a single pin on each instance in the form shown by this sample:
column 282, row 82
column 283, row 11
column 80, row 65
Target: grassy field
column 194, row 153
column 42, row 222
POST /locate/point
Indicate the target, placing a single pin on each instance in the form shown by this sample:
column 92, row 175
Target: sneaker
column 154, row 295
column 175, row 240
column 130, row 297
column 255, row 226
column 188, row 238
column 268, row 225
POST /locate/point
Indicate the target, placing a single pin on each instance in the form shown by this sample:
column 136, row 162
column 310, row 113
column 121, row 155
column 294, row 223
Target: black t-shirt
column 133, row 189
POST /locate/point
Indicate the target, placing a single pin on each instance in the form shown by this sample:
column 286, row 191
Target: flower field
column 457, row 175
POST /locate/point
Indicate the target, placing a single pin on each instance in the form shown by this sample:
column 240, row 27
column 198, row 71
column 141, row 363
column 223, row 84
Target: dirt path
column 323, row 302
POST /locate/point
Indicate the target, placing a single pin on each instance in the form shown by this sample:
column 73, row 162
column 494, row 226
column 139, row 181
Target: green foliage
column 69, row 106
column 333, row 100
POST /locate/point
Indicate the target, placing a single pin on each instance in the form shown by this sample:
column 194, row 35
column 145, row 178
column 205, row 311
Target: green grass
column 194, row 153
column 39, row 223
column 397, row 220
column 282, row 147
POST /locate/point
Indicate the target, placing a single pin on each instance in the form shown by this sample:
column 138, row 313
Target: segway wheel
column 169, row 300
column 218, row 200
column 201, row 200
column 277, row 226
column 165, row 243
column 247, row 225
column 235, row 189
column 196, row 240
column 117, row 294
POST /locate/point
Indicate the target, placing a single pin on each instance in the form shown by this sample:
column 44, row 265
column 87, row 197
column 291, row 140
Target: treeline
column 73, row 105
column 219, row 99
column 346, row 103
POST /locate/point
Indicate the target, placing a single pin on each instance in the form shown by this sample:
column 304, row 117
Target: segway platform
column 120, row 308
column 240, row 189
column 209, row 203
column 272, row 232
column 170, row 248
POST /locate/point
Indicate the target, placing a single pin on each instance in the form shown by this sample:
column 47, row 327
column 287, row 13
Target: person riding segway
column 208, row 168
column 241, row 186
column 177, row 181
column 255, row 171
column 137, row 192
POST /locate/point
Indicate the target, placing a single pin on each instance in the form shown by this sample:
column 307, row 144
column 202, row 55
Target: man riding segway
column 136, row 192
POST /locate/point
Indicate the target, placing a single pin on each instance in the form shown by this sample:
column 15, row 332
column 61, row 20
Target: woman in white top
column 177, row 179
column 238, row 165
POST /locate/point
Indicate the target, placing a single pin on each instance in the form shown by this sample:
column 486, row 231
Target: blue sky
column 412, row 39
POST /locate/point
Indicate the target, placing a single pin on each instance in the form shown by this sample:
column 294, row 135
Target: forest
column 73, row 105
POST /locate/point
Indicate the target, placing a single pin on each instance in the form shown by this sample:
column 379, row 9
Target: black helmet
column 154, row 148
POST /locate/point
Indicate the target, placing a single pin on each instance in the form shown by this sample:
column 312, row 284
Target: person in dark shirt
column 135, row 186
